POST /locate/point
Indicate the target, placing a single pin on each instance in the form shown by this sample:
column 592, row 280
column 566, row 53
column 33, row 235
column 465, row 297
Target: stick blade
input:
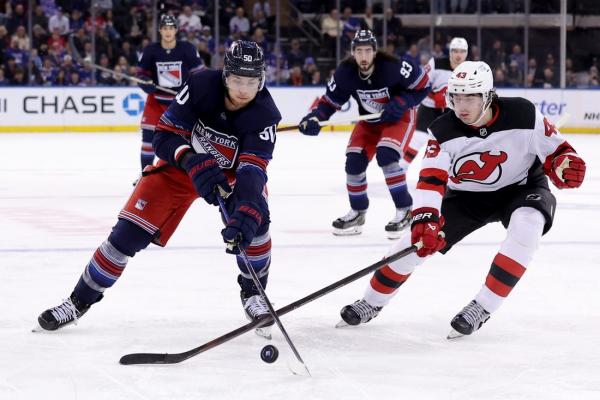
column 147, row 358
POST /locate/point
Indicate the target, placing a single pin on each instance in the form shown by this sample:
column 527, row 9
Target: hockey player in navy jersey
column 378, row 82
column 218, row 135
column 434, row 105
column 167, row 63
column 485, row 162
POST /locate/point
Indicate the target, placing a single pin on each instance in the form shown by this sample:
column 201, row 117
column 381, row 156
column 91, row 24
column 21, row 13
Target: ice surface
column 60, row 194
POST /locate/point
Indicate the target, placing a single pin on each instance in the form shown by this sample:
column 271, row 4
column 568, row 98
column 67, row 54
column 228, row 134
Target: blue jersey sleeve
column 413, row 82
column 337, row 94
column 176, row 124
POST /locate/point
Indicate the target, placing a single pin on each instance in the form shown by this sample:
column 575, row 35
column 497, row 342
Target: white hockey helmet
column 471, row 77
column 459, row 44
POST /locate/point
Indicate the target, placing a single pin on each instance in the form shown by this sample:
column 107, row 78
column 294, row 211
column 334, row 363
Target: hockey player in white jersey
column 434, row 105
column 485, row 162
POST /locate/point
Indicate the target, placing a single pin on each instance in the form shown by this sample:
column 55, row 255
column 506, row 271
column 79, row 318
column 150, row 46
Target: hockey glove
column 439, row 98
column 149, row 87
column 206, row 176
column 568, row 171
column 394, row 109
column 310, row 124
column 242, row 226
column 426, row 227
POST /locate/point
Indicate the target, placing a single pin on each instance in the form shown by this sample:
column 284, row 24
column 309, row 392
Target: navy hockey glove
column 149, row 87
column 426, row 227
column 394, row 109
column 206, row 175
column 242, row 226
column 310, row 124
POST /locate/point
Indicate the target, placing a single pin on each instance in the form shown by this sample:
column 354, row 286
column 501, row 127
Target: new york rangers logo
column 373, row 100
column 224, row 148
column 169, row 73
column 484, row 168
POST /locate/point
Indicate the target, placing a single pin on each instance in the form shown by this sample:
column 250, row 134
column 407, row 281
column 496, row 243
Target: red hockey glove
column 568, row 171
column 426, row 228
column 439, row 98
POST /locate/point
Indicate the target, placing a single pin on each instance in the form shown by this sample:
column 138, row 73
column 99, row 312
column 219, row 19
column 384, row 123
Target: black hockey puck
column 269, row 353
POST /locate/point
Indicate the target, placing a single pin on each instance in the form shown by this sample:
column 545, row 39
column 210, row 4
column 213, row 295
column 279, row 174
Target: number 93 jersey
column 390, row 77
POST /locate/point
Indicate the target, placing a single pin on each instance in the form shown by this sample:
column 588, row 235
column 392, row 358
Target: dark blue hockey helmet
column 245, row 58
column 167, row 20
column 364, row 37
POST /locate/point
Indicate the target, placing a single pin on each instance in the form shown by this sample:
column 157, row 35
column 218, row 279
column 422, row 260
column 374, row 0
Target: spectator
column 534, row 74
column 104, row 78
column 296, row 78
column 259, row 37
column 548, row 82
column 368, row 21
column 22, row 39
column 39, row 17
column 309, row 68
column 296, row 56
column 208, row 39
column 19, row 56
column 351, row 23
column 57, row 40
column 413, row 53
column 315, row 79
column 47, row 72
column 260, row 22
column 76, row 21
column 474, row 53
column 204, row 53
column 188, row 21
column 261, row 7
column 19, row 77
column 496, row 56
column 517, row 56
column 239, row 23
column 59, row 21
column 128, row 53
column 458, row 6
column 331, row 27
column 3, row 80
column 17, row 18
column 394, row 27
column 499, row 78
column 515, row 75
column 39, row 36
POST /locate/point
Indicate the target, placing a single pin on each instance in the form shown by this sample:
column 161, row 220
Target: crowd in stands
column 66, row 39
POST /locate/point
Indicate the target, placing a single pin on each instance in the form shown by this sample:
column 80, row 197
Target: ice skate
column 468, row 320
column 350, row 224
column 359, row 312
column 256, row 308
column 64, row 314
column 399, row 223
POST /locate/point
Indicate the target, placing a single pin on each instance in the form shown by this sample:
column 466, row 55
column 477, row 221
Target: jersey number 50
column 268, row 134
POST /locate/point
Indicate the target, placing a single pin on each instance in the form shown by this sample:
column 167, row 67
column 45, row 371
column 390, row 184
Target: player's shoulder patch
column 446, row 127
column 442, row 63
column 517, row 113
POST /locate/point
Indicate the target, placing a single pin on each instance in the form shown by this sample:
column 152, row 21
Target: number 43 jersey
column 199, row 117
column 517, row 145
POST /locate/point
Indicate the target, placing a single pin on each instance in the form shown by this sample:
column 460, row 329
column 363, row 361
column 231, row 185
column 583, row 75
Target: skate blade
column 342, row 324
column 454, row 335
column 353, row 230
column 264, row 332
column 394, row 235
column 38, row 328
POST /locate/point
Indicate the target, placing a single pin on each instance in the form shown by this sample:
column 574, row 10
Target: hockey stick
column 174, row 358
column 261, row 290
column 335, row 122
column 79, row 60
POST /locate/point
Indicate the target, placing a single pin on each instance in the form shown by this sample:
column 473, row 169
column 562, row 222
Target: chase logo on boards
column 133, row 104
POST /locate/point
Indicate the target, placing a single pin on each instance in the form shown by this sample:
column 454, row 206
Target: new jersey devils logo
column 484, row 168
